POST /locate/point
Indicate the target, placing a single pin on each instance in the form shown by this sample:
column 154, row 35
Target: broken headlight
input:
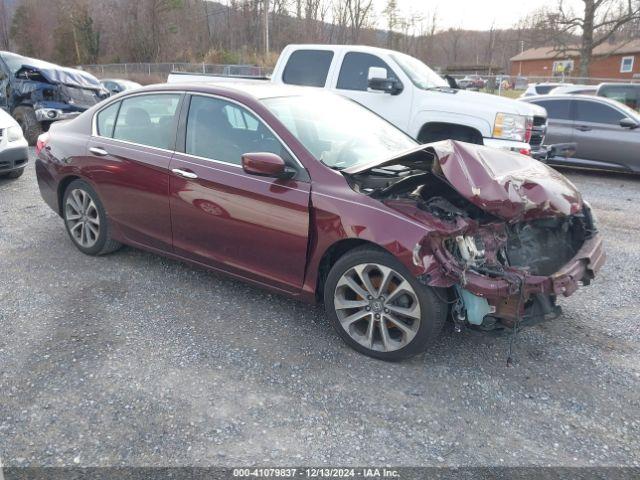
column 469, row 250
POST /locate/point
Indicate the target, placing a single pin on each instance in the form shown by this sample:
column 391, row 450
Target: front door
column 254, row 227
column 131, row 151
column 601, row 139
column 353, row 82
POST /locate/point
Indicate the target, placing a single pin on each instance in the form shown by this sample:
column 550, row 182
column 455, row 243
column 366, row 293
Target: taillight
column 528, row 129
column 525, row 151
column 42, row 142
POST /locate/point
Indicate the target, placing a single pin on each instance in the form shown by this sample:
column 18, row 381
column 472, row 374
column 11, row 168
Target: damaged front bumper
column 581, row 268
column 513, row 294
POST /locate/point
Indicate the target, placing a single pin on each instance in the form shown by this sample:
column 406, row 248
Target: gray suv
column 606, row 132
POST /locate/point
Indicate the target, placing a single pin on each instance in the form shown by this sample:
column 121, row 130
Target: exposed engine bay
column 496, row 237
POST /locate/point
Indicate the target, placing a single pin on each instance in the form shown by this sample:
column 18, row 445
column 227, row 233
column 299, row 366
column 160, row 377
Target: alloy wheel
column 82, row 217
column 377, row 307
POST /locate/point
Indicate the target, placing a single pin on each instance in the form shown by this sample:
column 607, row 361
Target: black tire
column 103, row 244
column 31, row 128
column 13, row 174
column 433, row 311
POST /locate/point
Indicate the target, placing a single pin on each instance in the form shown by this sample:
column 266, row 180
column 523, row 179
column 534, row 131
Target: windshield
column 421, row 75
column 338, row 132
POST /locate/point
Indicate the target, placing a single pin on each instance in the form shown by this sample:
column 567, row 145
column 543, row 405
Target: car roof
column 568, row 96
column 258, row 90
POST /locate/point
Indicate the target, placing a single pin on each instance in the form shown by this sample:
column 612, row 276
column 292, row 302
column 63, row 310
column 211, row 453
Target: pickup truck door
column 351, row 80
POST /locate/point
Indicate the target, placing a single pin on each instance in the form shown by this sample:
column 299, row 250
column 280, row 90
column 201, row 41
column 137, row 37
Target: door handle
column 184, row 173
column 583, row 128
column 100, row 152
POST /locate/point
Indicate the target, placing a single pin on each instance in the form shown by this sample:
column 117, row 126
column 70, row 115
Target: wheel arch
column 62, row 187
column 459, row 131
column 333, row 253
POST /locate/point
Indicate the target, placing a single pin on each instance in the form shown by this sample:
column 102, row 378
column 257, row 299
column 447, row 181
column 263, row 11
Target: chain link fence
column 146, row 73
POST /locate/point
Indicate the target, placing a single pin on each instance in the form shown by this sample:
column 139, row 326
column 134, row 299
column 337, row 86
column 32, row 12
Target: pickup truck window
column 308, row 68
column 421, row 75
column 354, row 71
column 324, row 125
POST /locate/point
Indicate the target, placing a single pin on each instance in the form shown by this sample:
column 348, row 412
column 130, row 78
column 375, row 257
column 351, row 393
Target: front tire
column 86, row 220
column 31, row 128
column 13, row 174
column 379, row 308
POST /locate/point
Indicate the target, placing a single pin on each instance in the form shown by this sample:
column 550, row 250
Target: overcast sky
column 472, row 14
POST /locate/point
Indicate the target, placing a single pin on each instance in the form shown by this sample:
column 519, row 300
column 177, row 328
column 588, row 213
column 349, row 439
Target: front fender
column 356, row 216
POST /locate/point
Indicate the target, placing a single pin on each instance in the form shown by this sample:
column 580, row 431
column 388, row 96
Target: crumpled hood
column 507, row 185
column 67, row 76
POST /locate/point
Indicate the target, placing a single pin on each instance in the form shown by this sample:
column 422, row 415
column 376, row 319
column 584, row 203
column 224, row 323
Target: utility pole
column 266, row 27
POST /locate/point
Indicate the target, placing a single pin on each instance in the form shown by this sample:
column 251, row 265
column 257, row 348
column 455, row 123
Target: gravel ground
column 133, row 359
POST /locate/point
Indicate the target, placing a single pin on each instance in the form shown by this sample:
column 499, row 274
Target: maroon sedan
column 311, row 195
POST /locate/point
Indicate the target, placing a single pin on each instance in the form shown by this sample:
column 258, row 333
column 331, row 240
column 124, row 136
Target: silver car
column 606, row 132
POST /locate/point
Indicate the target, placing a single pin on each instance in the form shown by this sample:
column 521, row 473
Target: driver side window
column 223, row 131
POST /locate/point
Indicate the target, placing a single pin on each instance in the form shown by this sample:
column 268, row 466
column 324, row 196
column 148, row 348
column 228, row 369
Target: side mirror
column 377, row 80
column 266, row 164
column 628, row 123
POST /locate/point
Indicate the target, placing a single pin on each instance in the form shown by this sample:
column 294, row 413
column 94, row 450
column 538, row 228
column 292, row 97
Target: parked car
column 403, row 90
column 37, row 93
column 627, row 93
column 14, row 153
column 314, row 196
column 606, row 132
column 472, row 81
column 574, row 90
column 541, row 88
column 117, row 85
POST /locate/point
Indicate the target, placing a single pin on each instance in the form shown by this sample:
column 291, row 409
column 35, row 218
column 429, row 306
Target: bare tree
column 598, row 22
column 359, row 15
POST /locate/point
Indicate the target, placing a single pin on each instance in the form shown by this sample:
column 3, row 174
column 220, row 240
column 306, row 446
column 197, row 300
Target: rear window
column 624, row 94
column 556, row 109
column 308, row 67
column 544, row 89
column 107, row 120
column 148, row 120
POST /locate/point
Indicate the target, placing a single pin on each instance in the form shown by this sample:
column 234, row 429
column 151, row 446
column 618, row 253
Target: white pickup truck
column 407, row 93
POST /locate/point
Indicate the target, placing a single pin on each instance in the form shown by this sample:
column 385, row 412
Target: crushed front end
column 507, row 234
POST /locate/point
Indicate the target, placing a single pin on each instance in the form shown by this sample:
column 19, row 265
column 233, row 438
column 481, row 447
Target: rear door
column 132, row 146
column 600, row 137
column 254, row 227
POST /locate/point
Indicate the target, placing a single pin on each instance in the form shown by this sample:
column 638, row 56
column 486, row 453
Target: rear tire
column 86, row 220
column 31, row 128
column 361, row 305
column 13, row 174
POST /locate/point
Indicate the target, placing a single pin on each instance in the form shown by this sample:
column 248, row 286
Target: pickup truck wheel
column 13, row 174
column 379, row 308
column 86, row 220
column 31, row 128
